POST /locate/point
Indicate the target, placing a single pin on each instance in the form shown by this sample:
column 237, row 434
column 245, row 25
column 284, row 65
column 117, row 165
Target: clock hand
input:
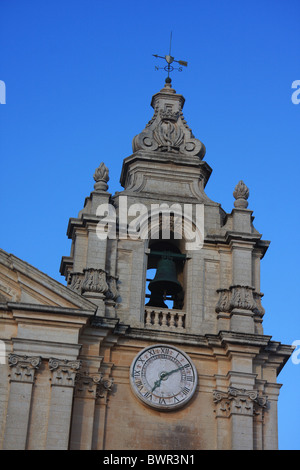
column 166, row 374
column 157, row 382
column 163, row 376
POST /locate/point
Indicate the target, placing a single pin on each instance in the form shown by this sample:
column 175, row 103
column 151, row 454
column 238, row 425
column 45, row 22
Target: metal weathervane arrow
column 170, row 60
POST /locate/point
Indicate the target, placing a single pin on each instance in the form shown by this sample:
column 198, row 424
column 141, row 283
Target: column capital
column 23, row 367
column 238, row 401
column 92, row 385
column 86, row 385
column 63, row 371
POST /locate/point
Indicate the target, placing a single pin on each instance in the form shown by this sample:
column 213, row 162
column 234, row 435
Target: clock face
column 163, row 377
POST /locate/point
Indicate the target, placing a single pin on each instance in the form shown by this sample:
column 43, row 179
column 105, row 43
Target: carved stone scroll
column 223, row 304
column 105, row 386
column 259, row 309
column 112, row 292
column 75, row 281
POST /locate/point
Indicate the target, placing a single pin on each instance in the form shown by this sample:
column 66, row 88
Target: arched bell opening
column 164, row 282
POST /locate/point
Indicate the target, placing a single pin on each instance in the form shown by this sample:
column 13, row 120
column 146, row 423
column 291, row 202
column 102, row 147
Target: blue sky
column 79, row 79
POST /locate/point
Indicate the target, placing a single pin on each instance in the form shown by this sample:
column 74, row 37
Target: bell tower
column 176, row 284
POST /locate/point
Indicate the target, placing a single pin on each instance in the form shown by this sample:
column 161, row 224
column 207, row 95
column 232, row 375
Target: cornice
column 30, row 277
column 227, row 341
column 50, row 309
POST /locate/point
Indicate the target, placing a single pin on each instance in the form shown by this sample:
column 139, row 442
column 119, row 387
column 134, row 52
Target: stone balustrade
column 164, row 318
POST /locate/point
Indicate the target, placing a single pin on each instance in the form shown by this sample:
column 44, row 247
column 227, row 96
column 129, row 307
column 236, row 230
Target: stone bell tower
column 175, row 280
column 217, row 258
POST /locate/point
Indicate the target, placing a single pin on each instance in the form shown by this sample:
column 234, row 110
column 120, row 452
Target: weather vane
column 170, row 60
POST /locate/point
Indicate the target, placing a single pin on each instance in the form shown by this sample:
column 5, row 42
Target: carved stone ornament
column 94, row 281
column 87, row 385
column 23, row 367
column 240, row 297
column 63, row 371
column 239, row 401
column 223, row 304
column 101, row 177
column 105, row 386
column 112, row 293
column 259, row 309
column 92, row 385
column 241, row 194
column 168, row 131
column 75, row 281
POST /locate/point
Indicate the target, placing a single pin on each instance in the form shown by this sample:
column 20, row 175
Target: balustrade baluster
column 164, row 318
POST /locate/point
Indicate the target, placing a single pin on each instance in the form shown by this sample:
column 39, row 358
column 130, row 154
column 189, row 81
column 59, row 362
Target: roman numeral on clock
column 165, row 350
column 148, row 395
column 139, row 384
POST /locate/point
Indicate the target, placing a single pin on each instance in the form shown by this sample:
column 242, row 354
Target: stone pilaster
column 260, row 407
column 22, row 378
column 103, row 392
column 86, row 268
column 242, row 303
column 241, row 288
column 89, row 387
column 62, row 386
column 270, row 428
column 84, row 410
column 241, row 408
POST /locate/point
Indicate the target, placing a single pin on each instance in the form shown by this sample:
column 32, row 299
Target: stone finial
column 168, row 131
column 101, row 177
column 241, row 194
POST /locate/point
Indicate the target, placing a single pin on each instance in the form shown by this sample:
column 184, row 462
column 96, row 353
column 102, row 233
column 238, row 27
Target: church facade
column 156, row 341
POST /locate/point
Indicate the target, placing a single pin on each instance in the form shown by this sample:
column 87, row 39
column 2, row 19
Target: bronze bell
column 164, row 283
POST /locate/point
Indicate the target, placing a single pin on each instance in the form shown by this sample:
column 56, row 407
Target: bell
column 156, row 300
column 164, row 283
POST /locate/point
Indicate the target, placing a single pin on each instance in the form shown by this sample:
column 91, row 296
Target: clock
column 163, row 377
